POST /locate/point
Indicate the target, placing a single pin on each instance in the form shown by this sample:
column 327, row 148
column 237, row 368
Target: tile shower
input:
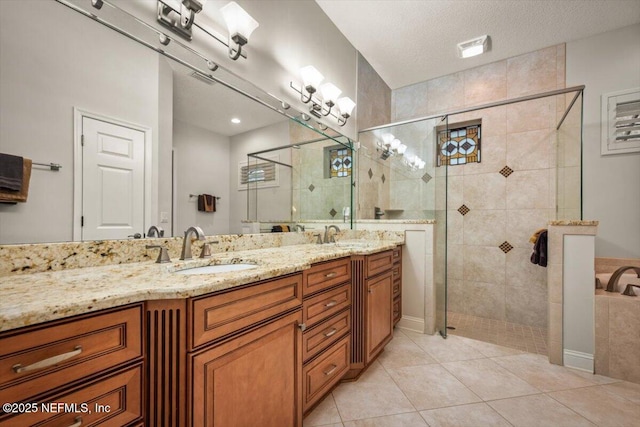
column 529, row 173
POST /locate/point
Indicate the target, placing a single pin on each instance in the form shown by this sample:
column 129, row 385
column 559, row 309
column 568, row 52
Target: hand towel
column 535, row 235
column 21, row 196
column 206, row 203
column 539, row 255
column 11, row 172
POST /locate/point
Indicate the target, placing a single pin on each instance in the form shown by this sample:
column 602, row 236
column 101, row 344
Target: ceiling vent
column 203, row 78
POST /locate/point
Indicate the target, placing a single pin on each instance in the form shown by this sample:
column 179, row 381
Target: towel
column 539, row 255
column 21, row 196
column 535, row 235
column 206, row 203
column 11, row 171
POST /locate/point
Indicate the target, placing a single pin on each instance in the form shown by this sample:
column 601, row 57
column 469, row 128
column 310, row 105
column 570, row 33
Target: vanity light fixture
column 240, row 25
column 179, row 16
column 390, row 146
column 322, row 104
column 473, row 47
column 415, row 163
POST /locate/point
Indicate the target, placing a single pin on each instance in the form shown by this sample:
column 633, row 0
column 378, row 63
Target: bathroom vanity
column 259, row 347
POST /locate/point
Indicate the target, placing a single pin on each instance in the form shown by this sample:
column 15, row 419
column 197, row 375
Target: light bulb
column 311, row 77
column 330, row 93
column 345, row 105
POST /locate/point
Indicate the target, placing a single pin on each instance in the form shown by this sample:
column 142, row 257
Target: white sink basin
column 219, row 268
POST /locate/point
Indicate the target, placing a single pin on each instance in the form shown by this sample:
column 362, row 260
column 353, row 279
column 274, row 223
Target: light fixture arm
column 326, row 112
column 234, row 53
column 342, row 120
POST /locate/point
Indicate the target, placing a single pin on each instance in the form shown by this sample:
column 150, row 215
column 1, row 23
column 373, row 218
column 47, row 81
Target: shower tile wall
column 315, row 197
column 489, row 271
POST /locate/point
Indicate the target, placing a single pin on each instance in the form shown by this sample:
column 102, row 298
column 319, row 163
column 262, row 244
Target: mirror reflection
column 139, row 137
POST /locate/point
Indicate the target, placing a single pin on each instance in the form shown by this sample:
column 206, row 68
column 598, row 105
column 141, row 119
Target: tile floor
column 422, row 380
column 507, row 334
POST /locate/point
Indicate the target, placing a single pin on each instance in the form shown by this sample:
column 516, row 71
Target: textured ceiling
column 408, row 41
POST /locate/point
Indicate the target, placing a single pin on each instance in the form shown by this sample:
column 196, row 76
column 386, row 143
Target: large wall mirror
column 140, row 134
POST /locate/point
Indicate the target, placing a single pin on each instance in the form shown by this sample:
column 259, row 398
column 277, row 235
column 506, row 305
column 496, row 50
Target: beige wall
column 482, row 279
column 607, row 63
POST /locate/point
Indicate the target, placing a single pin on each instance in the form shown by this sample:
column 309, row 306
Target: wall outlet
column 164, row 217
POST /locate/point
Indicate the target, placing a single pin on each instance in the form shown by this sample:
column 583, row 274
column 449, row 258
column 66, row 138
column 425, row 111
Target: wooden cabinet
column 326, row 340
column 397, row 284
column 372, row 309
column 113, row 401
column 244, row 357
column 220, row 314
column 250, row 380
column 53, row 358
column 378, row 314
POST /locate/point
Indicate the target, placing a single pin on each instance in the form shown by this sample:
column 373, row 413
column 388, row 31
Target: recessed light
column 235, row 120
column 473, row 47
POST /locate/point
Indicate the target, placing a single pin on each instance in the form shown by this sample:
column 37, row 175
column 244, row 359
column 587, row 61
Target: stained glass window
column 340, row 162
column 459, row 145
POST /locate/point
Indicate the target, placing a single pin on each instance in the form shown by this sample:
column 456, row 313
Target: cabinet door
column 379, row 313
column 254, row 379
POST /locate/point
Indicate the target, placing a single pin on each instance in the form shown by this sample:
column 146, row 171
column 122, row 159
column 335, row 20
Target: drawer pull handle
column 331, row 332
column 331, row 303
column 331, row 275
column 77, row 422
column 330, row 371
column 48, row 362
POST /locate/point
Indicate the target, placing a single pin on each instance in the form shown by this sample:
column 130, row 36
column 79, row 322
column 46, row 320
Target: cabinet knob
column 302, row 326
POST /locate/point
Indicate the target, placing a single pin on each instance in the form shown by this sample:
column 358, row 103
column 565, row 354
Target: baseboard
column 578, row 360
column 410, row 323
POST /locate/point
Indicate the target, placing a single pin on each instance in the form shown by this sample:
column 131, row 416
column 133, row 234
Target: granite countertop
column 29, row 299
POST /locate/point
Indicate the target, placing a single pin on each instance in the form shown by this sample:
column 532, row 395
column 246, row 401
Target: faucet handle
column 629, row 290
column 319, row 238
column 163, row 256
column 206, row 248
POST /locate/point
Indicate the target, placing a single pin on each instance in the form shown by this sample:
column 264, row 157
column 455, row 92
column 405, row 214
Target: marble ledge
column 573, row 222
column 617, row 296
column 28, row 299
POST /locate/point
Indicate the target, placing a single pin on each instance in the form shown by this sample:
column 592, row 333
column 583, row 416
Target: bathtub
column 626, row 279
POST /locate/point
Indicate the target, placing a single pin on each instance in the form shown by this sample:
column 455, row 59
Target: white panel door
column 112, row 180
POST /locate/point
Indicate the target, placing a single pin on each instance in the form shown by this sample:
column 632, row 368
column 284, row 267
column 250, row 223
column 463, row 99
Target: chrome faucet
column 155, row 231
column 612, row 286
column 186, row 243
column 298, row 227
column 330, row 238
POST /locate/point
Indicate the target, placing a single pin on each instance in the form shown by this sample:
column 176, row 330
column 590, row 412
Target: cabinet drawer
column 397, row 254
column 397, row 310
column 397, row 288
column 324, row 372
column 219, row 315
column 326, row 304
column 325, row 275
column 41, row 359
column 325, row 334
column 114, row 401
column 378, row 263
column 396, row 272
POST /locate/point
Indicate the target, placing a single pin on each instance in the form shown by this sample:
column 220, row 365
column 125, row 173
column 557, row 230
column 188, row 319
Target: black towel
column 11, row 170
column 539, row 255
column 206, row 203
